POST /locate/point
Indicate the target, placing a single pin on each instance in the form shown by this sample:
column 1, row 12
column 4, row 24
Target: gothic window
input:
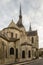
column 11, row 34
column 16, row 53
column 11, row 51
column 32, row 40
column 23, row 54
column 29, row 54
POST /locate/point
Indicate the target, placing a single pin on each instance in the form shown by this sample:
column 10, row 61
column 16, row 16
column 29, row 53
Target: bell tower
column 19, row 23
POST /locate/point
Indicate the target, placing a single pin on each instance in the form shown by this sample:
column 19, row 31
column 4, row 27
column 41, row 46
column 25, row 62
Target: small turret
column 30, row 29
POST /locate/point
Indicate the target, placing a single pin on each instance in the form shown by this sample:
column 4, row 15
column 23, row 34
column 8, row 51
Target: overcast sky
column 32, row 11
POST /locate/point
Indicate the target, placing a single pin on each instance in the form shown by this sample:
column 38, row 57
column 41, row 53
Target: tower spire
column 20, row 15
column 19, row 23
column 30, row 29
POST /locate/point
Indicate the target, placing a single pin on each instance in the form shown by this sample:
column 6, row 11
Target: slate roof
column 31, row 33
column 19, row 24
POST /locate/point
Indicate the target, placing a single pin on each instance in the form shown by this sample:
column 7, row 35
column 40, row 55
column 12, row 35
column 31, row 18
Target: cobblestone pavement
column 36, row 62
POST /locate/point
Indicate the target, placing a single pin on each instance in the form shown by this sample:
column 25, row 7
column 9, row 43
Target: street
column 33, row 62
column 36, row 62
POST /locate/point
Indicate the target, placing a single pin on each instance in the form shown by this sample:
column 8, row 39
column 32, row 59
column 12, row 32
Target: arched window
column 32, row 40
column 11, row 51
column 29, row 54
column 23, row 54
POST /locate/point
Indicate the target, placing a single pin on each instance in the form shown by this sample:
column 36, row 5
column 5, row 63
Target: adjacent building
column 41, row 52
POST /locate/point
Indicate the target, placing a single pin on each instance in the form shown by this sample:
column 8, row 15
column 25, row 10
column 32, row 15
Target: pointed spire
column 30, row 29
column 20, row 15
column 19, row 23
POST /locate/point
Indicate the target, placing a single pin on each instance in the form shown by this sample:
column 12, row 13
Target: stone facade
column 16, row 44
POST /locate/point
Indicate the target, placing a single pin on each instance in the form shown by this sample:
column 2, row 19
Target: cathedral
column 17, row 44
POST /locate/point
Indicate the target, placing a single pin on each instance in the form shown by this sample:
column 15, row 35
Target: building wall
column 8, row 32
column 21, row 35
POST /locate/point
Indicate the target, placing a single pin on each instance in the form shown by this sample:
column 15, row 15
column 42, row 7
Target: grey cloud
column 32, row 11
